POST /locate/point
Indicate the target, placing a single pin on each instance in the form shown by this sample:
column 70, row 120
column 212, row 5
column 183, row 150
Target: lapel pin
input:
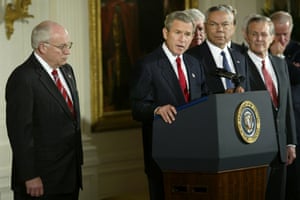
column 193, row 75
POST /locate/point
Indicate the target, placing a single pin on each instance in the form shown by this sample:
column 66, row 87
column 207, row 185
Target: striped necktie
column 62, row 90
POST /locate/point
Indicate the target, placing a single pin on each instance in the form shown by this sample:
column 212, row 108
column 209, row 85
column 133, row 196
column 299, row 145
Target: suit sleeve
column 142, row 94
column 290, row 118
column 19, row 117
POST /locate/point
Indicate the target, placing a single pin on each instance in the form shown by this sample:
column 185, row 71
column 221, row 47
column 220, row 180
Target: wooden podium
column 206, row 155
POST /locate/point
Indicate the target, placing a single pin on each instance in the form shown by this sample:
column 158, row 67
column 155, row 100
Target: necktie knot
column 223, row 53
column 178, row 60
column 55, row 74
column 263, row 63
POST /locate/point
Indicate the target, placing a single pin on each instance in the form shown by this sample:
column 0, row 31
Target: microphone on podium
column 235, row 78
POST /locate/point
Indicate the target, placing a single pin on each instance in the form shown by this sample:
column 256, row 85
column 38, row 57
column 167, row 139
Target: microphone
column 235, row 78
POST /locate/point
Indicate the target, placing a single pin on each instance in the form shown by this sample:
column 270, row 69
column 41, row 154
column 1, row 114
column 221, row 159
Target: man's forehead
column 221, row 14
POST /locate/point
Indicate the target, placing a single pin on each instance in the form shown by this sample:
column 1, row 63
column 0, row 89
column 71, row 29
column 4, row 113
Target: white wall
column 73, row 14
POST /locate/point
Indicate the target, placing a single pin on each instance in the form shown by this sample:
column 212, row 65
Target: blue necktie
column 226, row 66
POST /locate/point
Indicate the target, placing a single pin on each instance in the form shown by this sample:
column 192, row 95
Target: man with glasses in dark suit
column 43, row 120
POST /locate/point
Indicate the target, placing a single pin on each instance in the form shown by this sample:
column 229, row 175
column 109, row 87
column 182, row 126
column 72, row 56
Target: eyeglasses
column 61, row 46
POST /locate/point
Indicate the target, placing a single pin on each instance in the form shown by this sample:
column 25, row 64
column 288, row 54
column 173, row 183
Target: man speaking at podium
column 165, row 79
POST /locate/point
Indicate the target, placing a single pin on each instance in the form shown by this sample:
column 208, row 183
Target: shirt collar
column 169, row 54
column 256, row 58
column 215, row 48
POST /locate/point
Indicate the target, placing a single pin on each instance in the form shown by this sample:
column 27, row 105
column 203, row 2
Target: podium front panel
column 204, row 136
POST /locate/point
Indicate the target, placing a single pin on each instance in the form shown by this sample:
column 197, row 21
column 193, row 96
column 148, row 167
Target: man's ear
column 42, row 48
column 165, row 33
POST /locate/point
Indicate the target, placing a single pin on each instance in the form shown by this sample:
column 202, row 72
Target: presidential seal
column 247, row 122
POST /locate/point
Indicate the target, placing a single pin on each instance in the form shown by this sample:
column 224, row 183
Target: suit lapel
column 215, row 84
column 255, row 76
column 236, row 61
column 190, row 72
column 70, row 79
column 68, row 76
column 170, row 76
column 209, row 61
column 49, row 84
column 278, row 73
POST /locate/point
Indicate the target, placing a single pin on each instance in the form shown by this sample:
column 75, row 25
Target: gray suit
column 284, row 122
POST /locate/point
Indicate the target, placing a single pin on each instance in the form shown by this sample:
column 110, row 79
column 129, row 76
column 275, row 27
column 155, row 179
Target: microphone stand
column 237, row 79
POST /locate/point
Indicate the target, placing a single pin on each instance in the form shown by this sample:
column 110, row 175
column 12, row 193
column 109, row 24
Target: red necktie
column 182, row 80
column 62, row 90
column 269, row 84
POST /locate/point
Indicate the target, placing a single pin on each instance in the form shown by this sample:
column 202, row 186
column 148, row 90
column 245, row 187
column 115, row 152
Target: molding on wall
column 5, row 192
column 121, row 173
column 5, row 171
column 89, row 170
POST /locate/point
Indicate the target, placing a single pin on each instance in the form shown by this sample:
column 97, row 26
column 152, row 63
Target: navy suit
column 44, row 135
column 156, row 84
column 205, row 57
column 283, row 120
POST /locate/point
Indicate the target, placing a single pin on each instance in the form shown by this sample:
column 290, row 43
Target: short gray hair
column 41, row 33
column 178, row 15
column 282, row 17
column 225, row 8
column 261, row 18
column 196, row 14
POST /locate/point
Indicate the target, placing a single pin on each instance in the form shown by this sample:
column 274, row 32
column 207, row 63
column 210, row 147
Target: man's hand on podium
column 238, row 89
column 167, row 113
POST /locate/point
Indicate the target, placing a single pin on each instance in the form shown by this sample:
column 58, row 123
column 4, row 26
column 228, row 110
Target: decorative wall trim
column 15, row 11
column 5, row 192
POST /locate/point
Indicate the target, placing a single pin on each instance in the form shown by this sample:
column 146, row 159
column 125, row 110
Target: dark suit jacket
column 284, row 115
column 44, row 136
column 292, row 54
column 242, row 48
column 205, row 57
column 155, row 84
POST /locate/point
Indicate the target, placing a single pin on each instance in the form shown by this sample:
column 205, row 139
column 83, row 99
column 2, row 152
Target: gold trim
column 13, row 12
column 247, row 122
column 95, row 58
column 101, row 121
column 191, row 3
